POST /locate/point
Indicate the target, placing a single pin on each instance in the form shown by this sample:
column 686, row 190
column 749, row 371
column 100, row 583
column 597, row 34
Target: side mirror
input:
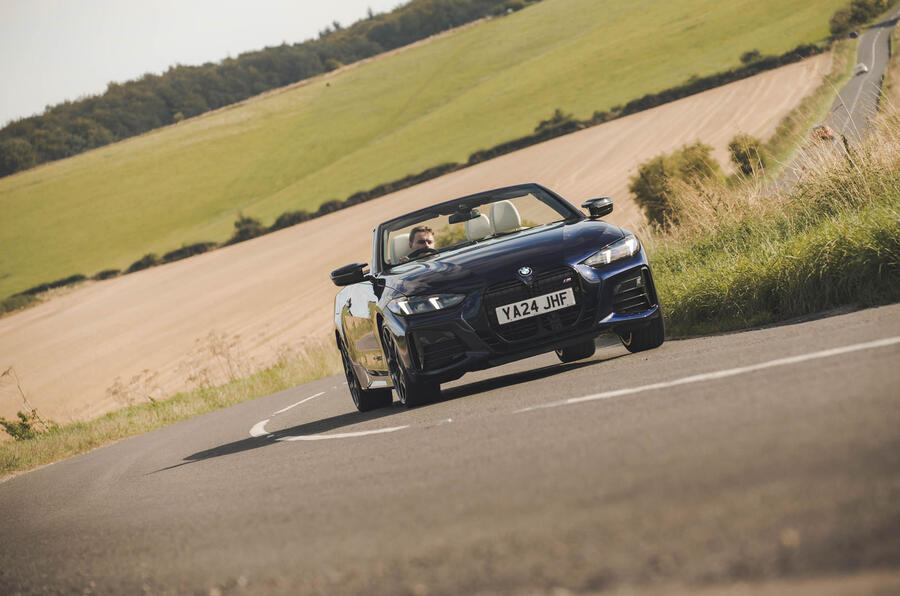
column 598, row 207
column 348, row 274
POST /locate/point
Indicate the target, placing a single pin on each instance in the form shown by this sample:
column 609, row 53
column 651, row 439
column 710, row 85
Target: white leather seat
column 399, row 247
column 478, row 228
column 505, row 217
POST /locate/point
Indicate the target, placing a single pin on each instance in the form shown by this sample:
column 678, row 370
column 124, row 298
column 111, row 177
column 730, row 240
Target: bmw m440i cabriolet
column 483, row 280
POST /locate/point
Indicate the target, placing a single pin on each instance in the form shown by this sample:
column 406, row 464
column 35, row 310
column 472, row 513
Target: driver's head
column 421, row 237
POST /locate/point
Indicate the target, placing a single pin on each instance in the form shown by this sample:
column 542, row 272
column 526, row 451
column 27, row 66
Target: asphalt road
column 767, row 455
column 858, row 100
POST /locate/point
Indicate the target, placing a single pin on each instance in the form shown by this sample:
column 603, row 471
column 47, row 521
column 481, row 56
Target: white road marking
column 865, row 76
column 719, row 374
column 259, row 429
column 283, row 410
column 361, row 433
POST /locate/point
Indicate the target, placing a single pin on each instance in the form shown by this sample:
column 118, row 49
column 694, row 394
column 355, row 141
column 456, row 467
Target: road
column 770, row 455
column 858, row 100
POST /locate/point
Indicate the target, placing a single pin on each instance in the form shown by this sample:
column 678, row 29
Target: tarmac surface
column 759, row 462
column 858, row 100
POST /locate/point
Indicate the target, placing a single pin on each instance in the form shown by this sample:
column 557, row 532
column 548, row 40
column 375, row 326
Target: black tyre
column 410, row 393
column 363, row 399
column 576, row 352
column 644, row 338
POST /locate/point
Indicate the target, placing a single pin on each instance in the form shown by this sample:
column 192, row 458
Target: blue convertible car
column 483, row 280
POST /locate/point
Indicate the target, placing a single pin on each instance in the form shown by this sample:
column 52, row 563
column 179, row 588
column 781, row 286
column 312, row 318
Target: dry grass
column 225, row 377
column 812, row 109
column 891, row 87
column 758, row 253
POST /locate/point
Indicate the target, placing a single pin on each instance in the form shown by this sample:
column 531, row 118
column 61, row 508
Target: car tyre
column 578, row 351
column 363, row 399
column 644, row 338
column 411, row 393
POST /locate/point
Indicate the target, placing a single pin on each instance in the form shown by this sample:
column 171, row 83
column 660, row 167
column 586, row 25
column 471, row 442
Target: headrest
column 399, row 248
column 478, row 228
column 505, row 217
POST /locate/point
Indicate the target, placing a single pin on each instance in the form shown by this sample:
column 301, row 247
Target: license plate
column 533, row 307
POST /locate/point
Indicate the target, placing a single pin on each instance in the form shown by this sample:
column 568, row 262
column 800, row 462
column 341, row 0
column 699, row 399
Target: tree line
column 137, row 106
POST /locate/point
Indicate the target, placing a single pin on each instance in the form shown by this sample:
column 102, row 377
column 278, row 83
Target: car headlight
column 415, row 305
column 619, row 249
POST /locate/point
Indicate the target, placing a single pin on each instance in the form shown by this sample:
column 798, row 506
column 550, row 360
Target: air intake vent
column 631, row 293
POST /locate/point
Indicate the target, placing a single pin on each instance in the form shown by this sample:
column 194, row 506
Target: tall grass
column 756, row 253
column 313, row 360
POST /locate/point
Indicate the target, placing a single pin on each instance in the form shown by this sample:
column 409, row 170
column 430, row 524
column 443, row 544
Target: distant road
column 768, row 455
column 858, row 100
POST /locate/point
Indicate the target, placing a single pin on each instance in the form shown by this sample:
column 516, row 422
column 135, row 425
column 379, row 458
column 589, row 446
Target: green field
column 436, row 103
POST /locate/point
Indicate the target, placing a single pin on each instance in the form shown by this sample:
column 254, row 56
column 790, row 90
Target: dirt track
column 274, row 291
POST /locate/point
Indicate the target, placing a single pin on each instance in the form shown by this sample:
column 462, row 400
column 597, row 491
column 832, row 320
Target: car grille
column 540, row 327
column 630, row 293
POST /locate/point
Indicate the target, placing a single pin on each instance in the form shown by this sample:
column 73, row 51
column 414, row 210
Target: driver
column 420, row 237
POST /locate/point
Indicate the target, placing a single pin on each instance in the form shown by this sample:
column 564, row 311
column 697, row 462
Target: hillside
column 348, row 131
column 151, row 330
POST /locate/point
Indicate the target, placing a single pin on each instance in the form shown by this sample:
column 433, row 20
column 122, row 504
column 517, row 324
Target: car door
column 358, row 319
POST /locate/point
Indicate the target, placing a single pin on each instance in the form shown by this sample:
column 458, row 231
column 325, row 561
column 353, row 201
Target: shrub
column 856, row 13
column 20, row 430
column 106, row 274
column 188, row 251
column 747, row 154
column 66, row 281
column 558, row 120
column 330, row 207
column 652, row 185
column 148, row 260
column 246, row 228
column 16, row 154
column 15, row 302
column 289, row 218
column 840, row 25
column 29, row 424
column 751, row 56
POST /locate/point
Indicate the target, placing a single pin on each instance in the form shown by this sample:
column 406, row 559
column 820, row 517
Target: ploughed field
column 274, row 291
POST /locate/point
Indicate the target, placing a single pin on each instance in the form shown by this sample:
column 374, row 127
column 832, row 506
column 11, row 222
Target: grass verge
column 316, row 360
column 741, row 257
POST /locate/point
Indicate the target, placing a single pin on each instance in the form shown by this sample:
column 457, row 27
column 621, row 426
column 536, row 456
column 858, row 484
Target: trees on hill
column 135, row 107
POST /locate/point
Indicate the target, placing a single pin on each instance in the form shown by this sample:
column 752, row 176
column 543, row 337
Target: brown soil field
column 94, row 349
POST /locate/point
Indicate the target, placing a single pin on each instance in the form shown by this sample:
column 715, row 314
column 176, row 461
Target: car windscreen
column 471, row 220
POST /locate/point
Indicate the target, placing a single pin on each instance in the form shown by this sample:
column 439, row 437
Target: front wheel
column 644, row 338
column 363, row 399
column 580, row 351
column 410, row 393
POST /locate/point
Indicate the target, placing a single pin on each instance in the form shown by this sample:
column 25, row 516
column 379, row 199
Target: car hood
column 498, row 259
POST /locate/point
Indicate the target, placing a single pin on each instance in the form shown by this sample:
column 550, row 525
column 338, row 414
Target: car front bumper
column 444, row 345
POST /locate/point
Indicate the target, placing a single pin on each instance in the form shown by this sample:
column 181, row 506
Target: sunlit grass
column 315, row 360
column 751, row 255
